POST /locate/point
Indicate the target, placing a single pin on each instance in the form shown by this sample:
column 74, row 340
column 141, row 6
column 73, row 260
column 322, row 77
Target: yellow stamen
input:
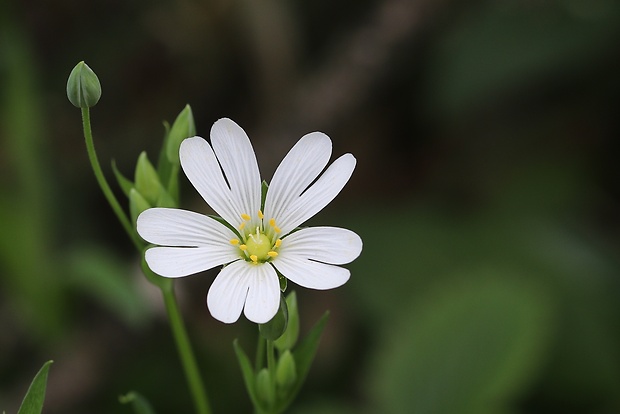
column 272, row 254
column 242, row 225
column 272, row 223
column 246, row 217
column 234, row 242
column 260, row 215
column 278, row 243
column 254, row 258
column 243, row 247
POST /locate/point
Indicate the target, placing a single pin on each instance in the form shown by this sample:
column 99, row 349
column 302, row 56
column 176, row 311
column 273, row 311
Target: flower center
column 260, row 245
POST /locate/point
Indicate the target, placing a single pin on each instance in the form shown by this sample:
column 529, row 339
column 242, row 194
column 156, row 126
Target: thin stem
column 271, row 362
column 109, row 195
column 184, row 348
column 260, row 353
column 188, row 360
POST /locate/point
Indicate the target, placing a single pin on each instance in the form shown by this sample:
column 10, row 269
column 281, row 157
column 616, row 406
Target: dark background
column 487, row 195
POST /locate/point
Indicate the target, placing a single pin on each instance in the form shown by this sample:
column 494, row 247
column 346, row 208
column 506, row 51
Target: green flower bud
column 83, row 87
column 264, row 388
column 182, row 128
column 286, row 372
column 147, row 180
column 137, row 204
column 290, row 336
column 273, row 329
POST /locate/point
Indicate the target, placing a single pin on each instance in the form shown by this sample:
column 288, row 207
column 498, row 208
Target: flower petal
column 311, row 274
column 297, row 170
column 263, row 300
column 185, row 261
column 331, row 245
column 320, row 194
column 175, row 227
column 236, row 156
column 227, row 294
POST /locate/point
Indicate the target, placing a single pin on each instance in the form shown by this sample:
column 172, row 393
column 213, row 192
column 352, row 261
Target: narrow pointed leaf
column 248, row 373
column 125, row 184
column 33, row 401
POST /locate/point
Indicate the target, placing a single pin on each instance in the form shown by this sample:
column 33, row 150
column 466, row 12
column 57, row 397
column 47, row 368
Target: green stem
column 107, row 191
column 271, row 362
column 184, row 348
column 260, row 353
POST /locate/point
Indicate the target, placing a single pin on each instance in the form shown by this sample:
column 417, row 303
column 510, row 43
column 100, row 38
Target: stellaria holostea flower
column 258, row 239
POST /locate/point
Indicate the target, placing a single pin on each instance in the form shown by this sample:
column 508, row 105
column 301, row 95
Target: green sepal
column 303, row 355
column 138, row 402
column 164, row 283
column 274, row 329
column 183, row 127
column 137, row 204
column 35, row 396
column 248, row 373
column 125, row 184
column 283, row 282
column 289, row 337
column 146, row 179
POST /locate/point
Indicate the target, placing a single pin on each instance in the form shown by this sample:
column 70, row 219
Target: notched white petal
column 298, row 169
column 331, row 245
column 263, row 298
column 310, row 274
column 204, row 172
column 184, row 261
column 227, row 294
column 236, row 156
column 320, row 194
column 176, row 227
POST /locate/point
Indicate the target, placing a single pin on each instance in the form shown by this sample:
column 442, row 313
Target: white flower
column 226, row 175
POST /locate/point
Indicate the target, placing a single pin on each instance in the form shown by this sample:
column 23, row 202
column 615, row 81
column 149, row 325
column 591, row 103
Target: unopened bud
column 286, row 372
column 264, row 387
column 83, row 87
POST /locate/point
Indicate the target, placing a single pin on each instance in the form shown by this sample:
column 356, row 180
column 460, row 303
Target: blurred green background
column 487, row 194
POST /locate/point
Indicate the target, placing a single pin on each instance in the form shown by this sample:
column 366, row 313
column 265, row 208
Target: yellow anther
column 242, row 225
column 243, row 247
column 272, row 254
column 246, row 217
column 234, row 241
column 272, row 223
column 278, row 243
column 254, row 258
column 260, row 215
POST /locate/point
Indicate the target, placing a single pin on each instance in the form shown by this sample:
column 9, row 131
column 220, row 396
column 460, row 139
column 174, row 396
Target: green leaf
column 146, row 179
column 183, row 127
column 248, row 373
column 139, row 403
column 33, row 401
column 125, row 184
column 304, row 355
